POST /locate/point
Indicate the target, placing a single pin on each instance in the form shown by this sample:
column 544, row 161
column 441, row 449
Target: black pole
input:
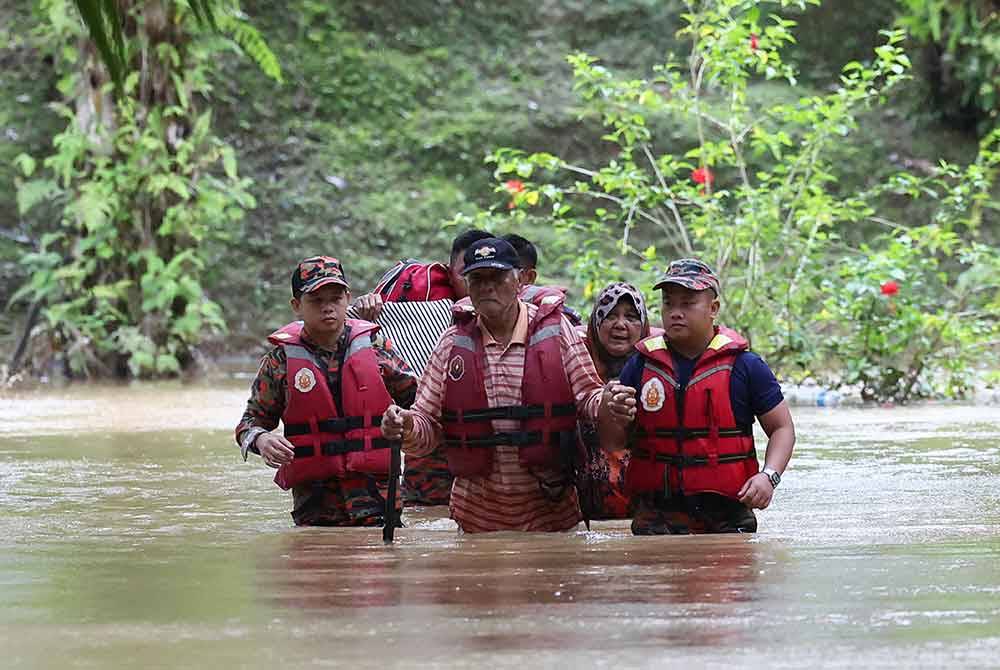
column 391, row 519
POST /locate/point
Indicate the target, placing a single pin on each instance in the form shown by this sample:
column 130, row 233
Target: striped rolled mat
column 413, row 328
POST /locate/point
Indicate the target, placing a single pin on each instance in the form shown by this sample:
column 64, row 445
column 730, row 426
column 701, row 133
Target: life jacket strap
column 340, row 447
column 516, row 439
column 336, row 426
column 694, row 433
column 510, row 412
column 686, row 461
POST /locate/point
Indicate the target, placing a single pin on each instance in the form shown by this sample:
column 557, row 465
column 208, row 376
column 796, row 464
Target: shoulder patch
column 719, row 341
column 550, row 299
column 281, row 336
column 655, row 344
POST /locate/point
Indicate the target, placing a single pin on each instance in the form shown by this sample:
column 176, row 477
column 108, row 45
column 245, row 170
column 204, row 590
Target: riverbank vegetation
column 819, row 157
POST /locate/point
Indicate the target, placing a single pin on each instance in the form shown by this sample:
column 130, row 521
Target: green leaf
column 167, row 363
column 32, row 192
column 229, row 162
column 25, row 163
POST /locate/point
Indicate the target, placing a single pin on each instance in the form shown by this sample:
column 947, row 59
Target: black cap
column 491, row 253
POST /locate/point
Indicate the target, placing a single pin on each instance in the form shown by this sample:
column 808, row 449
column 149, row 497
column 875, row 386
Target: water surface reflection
column 131, row 535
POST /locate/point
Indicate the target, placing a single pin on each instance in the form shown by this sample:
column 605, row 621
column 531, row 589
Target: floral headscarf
column 609, row 366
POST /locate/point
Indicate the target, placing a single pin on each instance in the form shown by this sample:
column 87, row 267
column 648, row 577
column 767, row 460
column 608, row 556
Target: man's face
column 493, row 292
column 455, row 267
column 528, row 276
column 689, row 316
column 324, row 310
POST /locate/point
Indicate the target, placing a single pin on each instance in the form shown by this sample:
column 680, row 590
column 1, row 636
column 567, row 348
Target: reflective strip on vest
column 465, row 342
column 663, row 373
column 545, row 333
column 708, row 373
column 358, row 344
column 298, row 352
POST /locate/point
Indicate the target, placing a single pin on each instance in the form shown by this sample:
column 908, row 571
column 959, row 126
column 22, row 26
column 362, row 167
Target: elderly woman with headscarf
column 619, row 320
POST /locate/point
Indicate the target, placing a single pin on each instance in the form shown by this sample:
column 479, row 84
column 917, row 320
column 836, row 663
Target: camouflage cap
column 689, row 273
column 315, row 272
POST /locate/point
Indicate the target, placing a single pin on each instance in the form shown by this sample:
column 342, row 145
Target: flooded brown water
column 133, row 536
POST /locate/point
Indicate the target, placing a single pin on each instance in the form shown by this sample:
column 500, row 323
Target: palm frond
column 104, row 20
column 204, row 12
column 252, row 43
column 104, row 23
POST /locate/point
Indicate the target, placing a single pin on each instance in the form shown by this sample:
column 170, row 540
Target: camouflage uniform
column 690, row 515
column 427, row 479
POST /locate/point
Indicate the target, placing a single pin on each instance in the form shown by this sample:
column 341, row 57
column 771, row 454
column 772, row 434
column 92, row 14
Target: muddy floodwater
column 133, row 536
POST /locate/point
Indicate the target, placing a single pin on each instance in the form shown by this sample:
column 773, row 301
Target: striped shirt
column 510, row 497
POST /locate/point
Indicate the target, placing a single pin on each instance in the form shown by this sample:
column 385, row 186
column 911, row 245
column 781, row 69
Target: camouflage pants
column 427, row 480
column 348, row 501
column 694, row 514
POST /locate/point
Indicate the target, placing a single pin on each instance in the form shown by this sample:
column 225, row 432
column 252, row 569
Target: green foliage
column 141, row 192
column 377, row 137
column 965, row 55
column 104, row 20
column 757, row 196
column 925, row 340
column 233, row 24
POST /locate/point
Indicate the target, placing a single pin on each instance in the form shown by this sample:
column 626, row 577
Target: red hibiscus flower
column 702, row 176
column 514, row 185
column 890, row 288
column 754, row 42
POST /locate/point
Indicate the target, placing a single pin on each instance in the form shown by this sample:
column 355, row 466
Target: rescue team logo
column 456, row 368
column 653, row 395
column 485, row 252
column 305, row 380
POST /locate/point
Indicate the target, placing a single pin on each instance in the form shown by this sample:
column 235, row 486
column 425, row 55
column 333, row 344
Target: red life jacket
column 413, row 281
column 536, row 294
column 687, row 438
column 547, row 411
column 326, row 443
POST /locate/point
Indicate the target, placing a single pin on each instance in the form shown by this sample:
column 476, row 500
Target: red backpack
column 413, row 281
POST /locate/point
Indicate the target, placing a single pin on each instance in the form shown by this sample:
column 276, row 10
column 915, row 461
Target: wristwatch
column 772, row 476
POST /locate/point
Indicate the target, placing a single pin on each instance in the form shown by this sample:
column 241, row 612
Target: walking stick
column 391, row 518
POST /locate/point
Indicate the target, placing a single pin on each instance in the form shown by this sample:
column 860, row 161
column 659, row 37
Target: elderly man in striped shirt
column 503, row 389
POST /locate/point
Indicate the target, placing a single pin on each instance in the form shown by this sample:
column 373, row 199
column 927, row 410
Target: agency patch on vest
column 456, row 368
column 305, row 380
column 653, row 395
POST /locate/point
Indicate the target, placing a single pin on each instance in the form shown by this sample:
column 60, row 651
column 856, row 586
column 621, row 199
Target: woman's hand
column 620, row 402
